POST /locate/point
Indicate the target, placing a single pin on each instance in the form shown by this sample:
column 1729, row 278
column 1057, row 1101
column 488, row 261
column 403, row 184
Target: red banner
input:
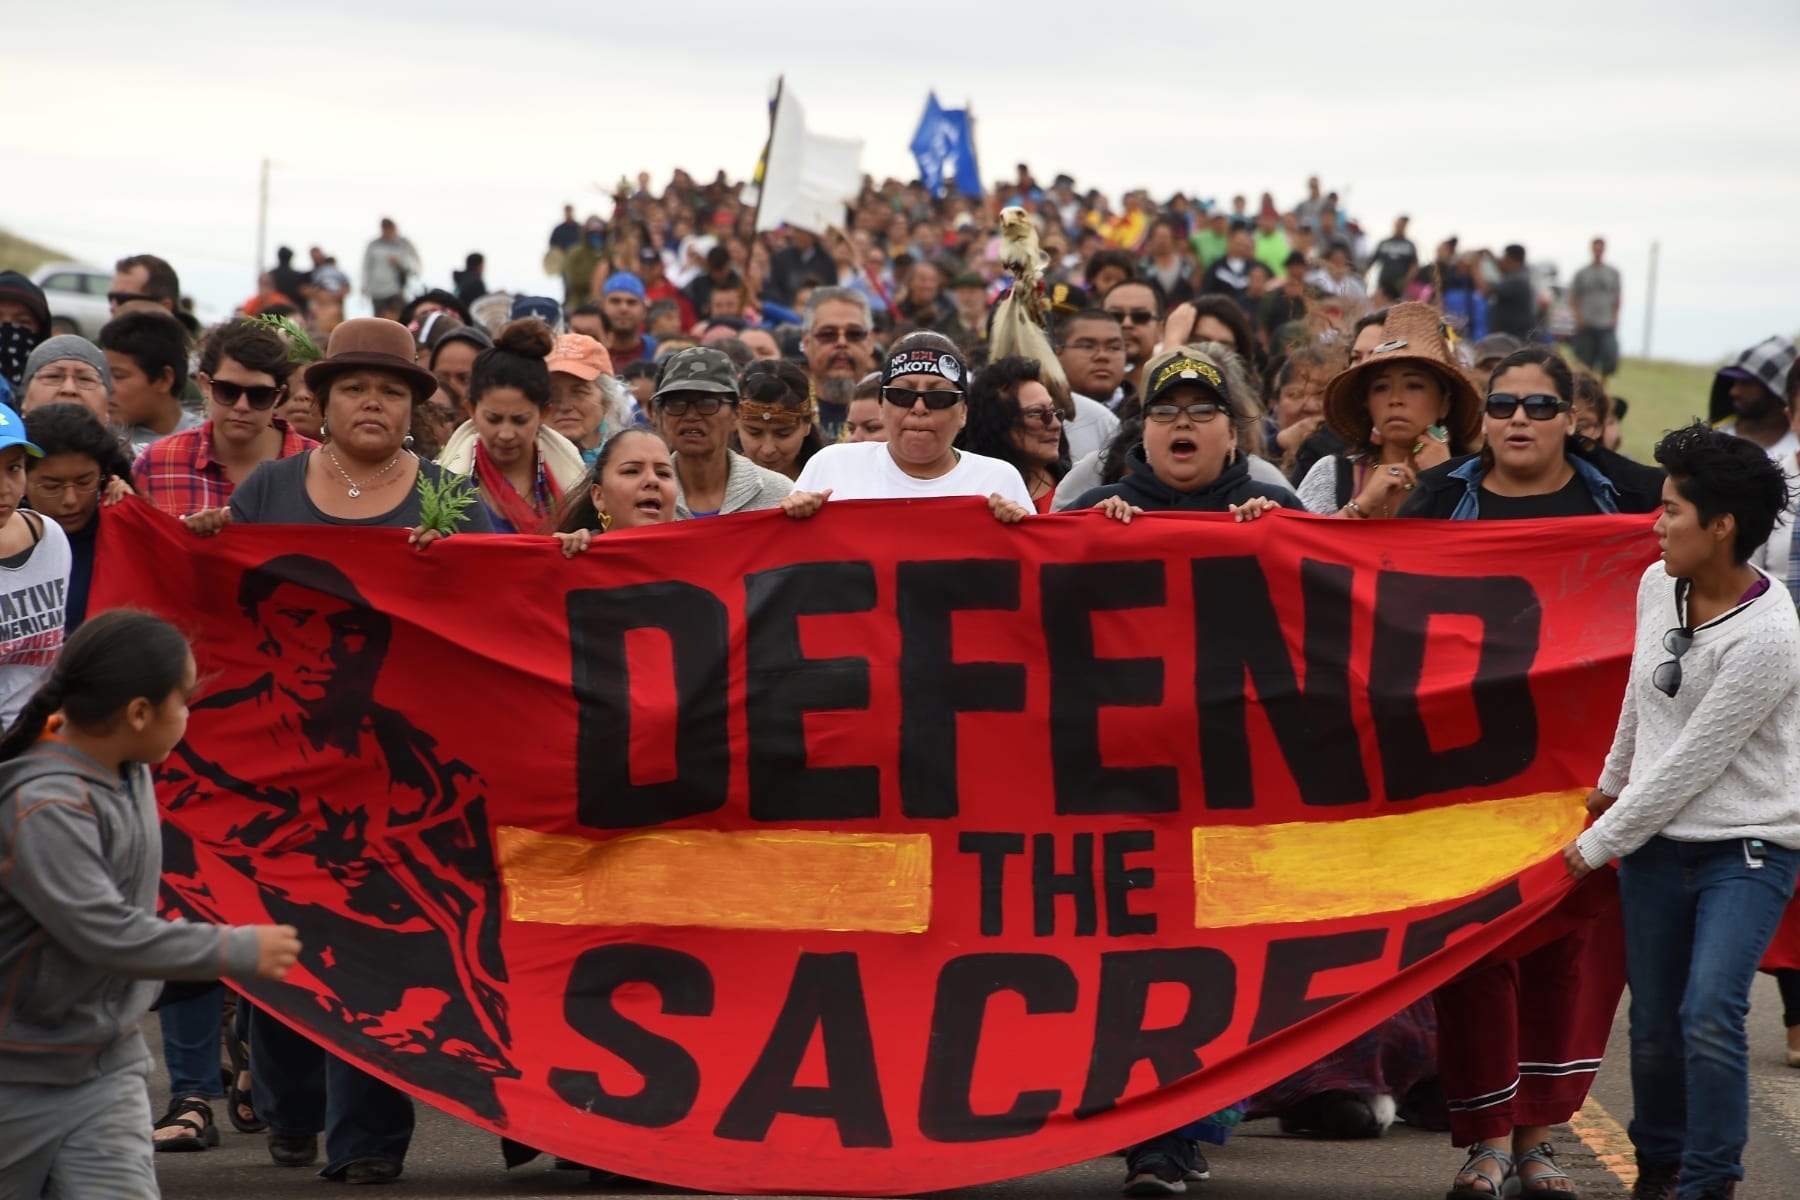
column 893, row 851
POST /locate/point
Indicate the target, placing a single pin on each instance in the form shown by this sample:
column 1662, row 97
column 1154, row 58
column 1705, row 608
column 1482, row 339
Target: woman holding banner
column 1700, row 805
column 922, row 403
column 1513, row 1069
column 631, row 483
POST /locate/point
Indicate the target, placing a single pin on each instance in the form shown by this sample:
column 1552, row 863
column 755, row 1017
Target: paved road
column 450, row 1159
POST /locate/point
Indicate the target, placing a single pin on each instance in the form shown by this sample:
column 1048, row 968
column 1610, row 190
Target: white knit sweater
column 1721, row 759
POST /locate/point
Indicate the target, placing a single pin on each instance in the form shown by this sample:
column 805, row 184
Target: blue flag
column 944, row 140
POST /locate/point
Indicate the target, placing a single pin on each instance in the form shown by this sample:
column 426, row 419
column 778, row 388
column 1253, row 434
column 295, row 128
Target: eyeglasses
column 905, row 398
column 55, row 489
column 1501, row 406
column 1199, row 412
column 1084, row 346
column 117, row 298
column 261, row 396
column 1667, row 677
column 1041, row 414
column 84, row 381
column 1134, row 316
column 706, row 406
column 854, row 335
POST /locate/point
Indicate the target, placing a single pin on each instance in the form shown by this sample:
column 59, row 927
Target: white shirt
column 1092, row 428
column 867, row 471
column 1720, row 759
column 32, row 596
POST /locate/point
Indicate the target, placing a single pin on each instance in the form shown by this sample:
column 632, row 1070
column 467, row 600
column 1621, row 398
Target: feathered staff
column 1021, row 319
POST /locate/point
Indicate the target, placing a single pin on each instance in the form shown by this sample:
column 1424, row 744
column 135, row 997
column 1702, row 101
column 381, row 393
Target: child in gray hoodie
column 81, row 948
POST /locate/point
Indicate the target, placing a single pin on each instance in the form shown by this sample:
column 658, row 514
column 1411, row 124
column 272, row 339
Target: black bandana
column 16, row 344
column 924, row 361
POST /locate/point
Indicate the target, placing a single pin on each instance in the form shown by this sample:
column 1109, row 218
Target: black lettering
column 1047, row 884
column 1237, row 634
column 963, row 988
column 1120, row 1039
column 1511, row 620
column 1428, row 935
column 826, row 995
column 1121, row 880
column 695, row 621
column 671, row 1076
column 992, row 848
column 1081, row 685
column 934, row 687
column 783, row 685
column 1289, row 970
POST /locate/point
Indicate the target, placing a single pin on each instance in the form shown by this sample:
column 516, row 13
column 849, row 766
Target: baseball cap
column 579, row 355
column 624, row 281
column 697, row 369
column 542, row 307
column 12, row 433
column 1496, row 345
column 648, row 254
column 1186, row 369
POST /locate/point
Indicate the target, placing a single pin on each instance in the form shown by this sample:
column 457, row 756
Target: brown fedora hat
column 1416, row 334
column 370, row 344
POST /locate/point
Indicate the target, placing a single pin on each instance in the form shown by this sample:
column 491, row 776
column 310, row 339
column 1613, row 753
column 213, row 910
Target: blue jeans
column 190, row 1039
column 1698, row 917
column 299, row 1088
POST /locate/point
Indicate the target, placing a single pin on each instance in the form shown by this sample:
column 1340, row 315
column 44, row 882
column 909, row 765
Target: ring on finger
column 1393, row 470
column 1406, row 487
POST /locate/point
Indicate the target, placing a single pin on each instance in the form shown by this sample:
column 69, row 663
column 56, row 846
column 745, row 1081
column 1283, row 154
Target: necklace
column 355, row 487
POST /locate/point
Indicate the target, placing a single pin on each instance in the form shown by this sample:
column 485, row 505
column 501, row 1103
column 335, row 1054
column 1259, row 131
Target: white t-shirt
column 32, row 596
column 866, row 471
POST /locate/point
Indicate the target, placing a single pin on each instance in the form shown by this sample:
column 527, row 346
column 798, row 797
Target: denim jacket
column 1471, row 473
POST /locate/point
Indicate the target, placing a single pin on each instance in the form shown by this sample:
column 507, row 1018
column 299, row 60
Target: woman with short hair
column 1699, row 802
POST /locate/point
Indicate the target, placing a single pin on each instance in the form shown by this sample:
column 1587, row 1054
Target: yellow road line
column 1603, row 1135
column 1320, row 870
column 752, row 879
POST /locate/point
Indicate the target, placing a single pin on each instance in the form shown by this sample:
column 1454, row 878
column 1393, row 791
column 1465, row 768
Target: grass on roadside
column 23, row 255
column 1662, row 395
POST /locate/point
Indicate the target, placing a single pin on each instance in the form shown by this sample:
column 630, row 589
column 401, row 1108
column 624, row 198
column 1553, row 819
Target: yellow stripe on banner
column 1314, row 871
column 754, row 879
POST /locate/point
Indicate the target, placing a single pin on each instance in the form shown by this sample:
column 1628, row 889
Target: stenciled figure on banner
column 402, row 912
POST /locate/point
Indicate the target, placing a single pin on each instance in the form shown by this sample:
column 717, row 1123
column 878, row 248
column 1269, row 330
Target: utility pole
column 262, row 221
column 1650, row 297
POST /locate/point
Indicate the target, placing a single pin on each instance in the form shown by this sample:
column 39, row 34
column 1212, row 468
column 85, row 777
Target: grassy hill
column 1663, row 395
column 21, row 254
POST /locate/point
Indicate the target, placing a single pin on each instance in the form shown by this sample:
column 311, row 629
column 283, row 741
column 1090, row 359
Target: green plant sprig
column 443, row 501
column 301, row 348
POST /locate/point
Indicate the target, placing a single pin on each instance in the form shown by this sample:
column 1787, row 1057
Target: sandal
column 1481, row 1152
column 182, row 1114
column 239, row 1107
column 1544, row 1155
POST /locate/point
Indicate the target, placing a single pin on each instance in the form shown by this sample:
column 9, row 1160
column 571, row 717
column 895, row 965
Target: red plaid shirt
column 179, row 474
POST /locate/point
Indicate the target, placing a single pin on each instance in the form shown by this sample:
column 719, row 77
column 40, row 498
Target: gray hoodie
column 81, row 948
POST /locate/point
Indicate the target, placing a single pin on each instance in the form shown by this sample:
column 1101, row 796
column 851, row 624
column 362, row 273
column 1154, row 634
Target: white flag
column 808, row 178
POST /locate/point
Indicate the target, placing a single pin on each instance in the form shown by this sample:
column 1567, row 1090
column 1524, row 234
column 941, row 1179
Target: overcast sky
column 472, row 123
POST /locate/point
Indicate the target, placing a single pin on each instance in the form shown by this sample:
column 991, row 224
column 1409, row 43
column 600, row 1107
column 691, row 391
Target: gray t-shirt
column 1595, row 295
column 275, row 494
column 142, row 435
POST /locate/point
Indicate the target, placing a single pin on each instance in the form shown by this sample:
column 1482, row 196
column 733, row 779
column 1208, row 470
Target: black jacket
column 1146, row 491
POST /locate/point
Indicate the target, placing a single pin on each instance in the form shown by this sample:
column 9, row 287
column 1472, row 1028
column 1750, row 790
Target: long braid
column 34, row 716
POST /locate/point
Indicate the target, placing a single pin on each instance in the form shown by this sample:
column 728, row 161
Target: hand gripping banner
column 889, row 851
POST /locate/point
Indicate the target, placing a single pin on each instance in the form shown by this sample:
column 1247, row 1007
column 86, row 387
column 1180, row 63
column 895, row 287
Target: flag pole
column 763, row 184
column 988, row 199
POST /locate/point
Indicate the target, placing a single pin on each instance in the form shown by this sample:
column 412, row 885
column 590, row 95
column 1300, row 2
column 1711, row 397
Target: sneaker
column 1656, row 1182
column 1198, row 1172
column 1156, row 1175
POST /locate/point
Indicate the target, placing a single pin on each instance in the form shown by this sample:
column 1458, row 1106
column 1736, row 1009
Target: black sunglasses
column 1667, row 677
column 905, row 398
column 1199, row 412
column 706, row 406
column 261, row 396
column 118, row 298
column 1134, row 316
column 1501, row 406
